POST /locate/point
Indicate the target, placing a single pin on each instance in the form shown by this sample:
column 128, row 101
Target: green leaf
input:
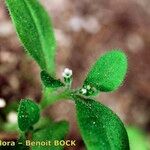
column 28, row 114
column 137, row 138
column 55, row 131
column 49, row 81
column 99, row 126
column 35, row 31
column 108, row 72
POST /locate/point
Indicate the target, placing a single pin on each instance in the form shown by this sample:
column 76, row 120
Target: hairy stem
column 51, row 96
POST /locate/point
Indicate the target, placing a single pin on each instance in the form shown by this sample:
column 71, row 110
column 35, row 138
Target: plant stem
column 50, row 96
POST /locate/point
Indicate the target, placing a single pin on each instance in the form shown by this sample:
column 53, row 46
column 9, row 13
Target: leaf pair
column 105, row 75
column 99, row 126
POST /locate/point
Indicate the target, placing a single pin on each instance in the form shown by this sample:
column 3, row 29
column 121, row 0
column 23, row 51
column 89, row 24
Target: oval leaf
column 35, row 31
column 49, row 81
column 55, row 131
column 100, row 127
column 28, row 114
column 108, row 72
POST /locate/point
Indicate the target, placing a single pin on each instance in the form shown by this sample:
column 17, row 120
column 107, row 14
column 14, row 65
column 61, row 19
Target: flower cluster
column 87, row 90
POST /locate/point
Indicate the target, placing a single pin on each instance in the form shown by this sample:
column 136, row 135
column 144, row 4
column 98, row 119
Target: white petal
column 70, row 72
column 63, row 74
column 67, row 73
column 67, row 70
column 2, row 103
column 88, row 87
column 84, row 91
column 12, row 117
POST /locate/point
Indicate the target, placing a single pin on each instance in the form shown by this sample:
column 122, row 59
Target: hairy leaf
column 35, row 31
column 55, row 131
column 49, row 81
column 99, row 126
column 28, row 114
column 108, row 72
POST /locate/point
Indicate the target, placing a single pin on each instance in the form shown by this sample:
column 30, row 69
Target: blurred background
column 84, row 30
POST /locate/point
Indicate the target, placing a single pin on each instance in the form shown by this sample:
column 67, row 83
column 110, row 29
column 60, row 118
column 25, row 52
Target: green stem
column 50, row 96
column 68, row 82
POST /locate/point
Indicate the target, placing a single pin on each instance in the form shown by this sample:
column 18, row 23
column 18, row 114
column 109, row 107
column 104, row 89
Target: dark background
column 84, row 30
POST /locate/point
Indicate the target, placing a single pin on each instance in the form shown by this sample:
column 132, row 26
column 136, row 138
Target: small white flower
column 2, row 103
column 67, row 73
column 83, row 91
column 88, row 87
column 12, row 117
